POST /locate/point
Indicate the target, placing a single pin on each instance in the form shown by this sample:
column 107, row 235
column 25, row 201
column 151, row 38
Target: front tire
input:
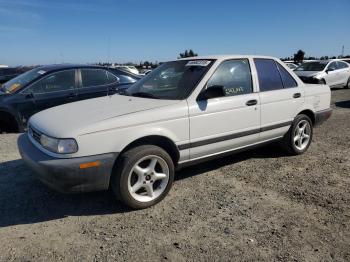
column 143, row 176
column 322, row 81
column 299, row 136
column 347, row 86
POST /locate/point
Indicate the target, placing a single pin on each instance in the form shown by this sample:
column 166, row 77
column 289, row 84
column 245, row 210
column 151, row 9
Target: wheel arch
column 310, row 114
column 158, row 140
column 10, row 119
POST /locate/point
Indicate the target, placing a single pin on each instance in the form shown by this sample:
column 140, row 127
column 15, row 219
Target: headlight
column 61, row 146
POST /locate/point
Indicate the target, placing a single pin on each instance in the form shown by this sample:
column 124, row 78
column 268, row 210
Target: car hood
column 307, row 73
column 80, row 117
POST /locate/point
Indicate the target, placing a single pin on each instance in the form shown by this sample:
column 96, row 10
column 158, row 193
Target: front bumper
column 322, row 116
column 66, row 175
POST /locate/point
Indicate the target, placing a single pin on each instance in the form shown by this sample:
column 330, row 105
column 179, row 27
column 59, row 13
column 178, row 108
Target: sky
column 68, row 31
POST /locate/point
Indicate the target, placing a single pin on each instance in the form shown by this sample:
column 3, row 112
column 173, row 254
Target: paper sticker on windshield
column 41, row 72
column 14, row 87
column 198, row 63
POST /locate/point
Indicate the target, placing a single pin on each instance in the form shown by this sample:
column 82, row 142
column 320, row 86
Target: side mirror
column 212, row 92
column 329, row 69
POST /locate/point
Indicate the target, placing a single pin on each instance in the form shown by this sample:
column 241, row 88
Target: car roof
column 56, row 67
column 225, row 57
column 326, row 60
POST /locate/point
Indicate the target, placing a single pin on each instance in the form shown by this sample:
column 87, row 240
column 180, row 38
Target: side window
column 333, row 66
column 337, row 65
column 287, row 79
column 60, row 81
column 96, row 77
column 268, row 74
column 234, row 76
column 111, row 78
column 342, row 65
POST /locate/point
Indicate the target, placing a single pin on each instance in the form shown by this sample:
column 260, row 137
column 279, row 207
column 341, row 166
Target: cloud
column 15, row 13
column 14, row 29
column 49, row 5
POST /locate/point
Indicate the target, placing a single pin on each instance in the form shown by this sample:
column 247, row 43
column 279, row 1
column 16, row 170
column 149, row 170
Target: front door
column 344, row 72
column 24, row 105
column 228, row 122
column 332, row 74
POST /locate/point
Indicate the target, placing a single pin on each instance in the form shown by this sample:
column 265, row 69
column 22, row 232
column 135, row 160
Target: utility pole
column 109, row 50
column 342, row 51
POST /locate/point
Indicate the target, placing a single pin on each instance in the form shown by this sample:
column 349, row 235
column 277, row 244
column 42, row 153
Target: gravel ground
column 258, row 205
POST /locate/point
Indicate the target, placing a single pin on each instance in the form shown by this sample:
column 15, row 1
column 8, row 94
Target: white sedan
column 335, row 73
column 183, row 112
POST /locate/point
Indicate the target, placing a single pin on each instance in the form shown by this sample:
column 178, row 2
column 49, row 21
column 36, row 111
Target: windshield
column 20, row 81
column 172, row 80
column 312, row 66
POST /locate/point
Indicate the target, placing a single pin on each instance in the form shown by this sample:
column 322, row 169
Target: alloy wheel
column 302, row 135
column 148, row 178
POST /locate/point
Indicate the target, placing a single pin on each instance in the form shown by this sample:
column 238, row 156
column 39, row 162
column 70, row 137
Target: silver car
column 335, row 73
column 292, row 66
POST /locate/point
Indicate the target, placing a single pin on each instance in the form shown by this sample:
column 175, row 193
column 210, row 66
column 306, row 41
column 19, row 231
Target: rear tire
column 299, row 136
column 143, row 176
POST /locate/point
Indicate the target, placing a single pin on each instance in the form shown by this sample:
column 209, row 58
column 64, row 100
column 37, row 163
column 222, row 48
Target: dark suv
column 49, row 86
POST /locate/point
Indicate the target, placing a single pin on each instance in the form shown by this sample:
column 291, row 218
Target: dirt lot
column 259, row 205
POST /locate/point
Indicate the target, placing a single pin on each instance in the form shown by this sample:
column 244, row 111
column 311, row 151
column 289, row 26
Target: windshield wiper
column 144, row 94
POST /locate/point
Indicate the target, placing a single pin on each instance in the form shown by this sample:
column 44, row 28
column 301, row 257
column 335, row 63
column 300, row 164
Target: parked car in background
column 49, row 86
column 7, row 73
column 335, row 73
column 292, row 66
column 183, row 112
column 131, row 69
column 145, row 71
column 347, row 60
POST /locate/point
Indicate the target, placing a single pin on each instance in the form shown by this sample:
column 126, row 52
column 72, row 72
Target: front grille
column 35, row 134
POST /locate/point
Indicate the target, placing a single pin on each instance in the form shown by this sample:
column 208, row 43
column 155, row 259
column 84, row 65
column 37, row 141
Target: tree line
column 299, row 57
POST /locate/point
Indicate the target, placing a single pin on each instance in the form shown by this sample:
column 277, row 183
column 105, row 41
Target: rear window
column 268, row 74
column 97, row 77
column 287, row 79
column 342, row 65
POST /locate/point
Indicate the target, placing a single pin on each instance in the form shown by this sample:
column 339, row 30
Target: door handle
column 251, row 102
column 29, row 96
column 297, row 95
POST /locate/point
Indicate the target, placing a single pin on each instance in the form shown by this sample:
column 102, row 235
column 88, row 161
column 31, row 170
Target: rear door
column 96, row 82
column 54, row 89
column 280, row 98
